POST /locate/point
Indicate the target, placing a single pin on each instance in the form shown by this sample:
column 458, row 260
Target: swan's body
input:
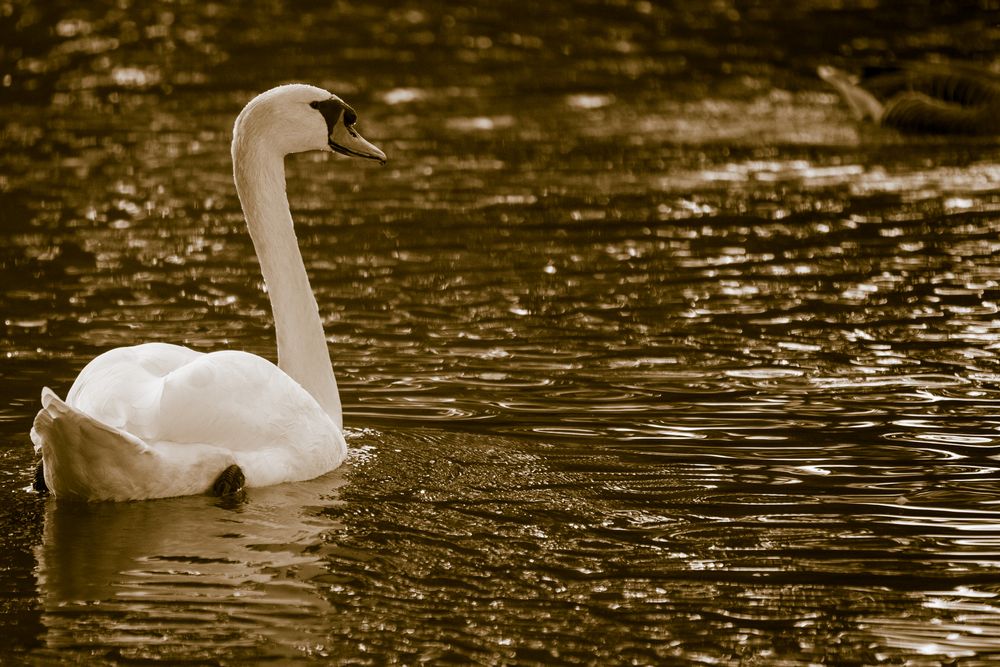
column 159, row 420
column 923, row 98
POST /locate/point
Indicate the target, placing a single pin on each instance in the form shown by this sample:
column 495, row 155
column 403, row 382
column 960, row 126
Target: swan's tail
column 862, row 103
column 82, row 457
column 85, row 459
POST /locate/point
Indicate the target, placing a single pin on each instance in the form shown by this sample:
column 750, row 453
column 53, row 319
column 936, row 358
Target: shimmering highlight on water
column 648, row 353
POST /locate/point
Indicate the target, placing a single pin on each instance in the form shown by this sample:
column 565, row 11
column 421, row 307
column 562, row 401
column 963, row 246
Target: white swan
column 159, row 420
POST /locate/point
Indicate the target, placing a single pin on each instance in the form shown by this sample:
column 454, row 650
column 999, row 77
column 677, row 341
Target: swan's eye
column 336, row 113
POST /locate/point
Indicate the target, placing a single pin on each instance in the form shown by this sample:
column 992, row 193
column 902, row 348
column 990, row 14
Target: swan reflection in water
column 158, row 577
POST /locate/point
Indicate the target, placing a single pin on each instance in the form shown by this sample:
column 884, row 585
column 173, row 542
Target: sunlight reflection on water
column 648, row 352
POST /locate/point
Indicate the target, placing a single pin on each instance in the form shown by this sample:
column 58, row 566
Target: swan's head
column 296, row 118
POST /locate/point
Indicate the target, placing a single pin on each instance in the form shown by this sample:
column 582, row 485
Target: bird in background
column 922, row 98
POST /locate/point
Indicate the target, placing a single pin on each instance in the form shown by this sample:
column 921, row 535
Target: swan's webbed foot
column 230, row 482
column 39, row 484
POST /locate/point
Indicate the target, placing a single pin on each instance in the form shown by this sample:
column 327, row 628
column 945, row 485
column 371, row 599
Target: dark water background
column 648, row 353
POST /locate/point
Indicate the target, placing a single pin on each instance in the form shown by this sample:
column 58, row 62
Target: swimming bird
column 923, row 98
column 158, row 420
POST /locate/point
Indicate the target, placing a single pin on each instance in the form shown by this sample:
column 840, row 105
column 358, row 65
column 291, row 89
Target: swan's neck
column 302, row 349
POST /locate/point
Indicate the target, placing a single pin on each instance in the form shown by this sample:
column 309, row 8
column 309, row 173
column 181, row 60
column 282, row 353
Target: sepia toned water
column 648, row 353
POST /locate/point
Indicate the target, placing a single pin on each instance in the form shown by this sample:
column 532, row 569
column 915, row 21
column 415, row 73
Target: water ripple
column 648, row 353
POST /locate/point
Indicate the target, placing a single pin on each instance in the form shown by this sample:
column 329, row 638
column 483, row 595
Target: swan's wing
column 123, row 383
column 246, row 404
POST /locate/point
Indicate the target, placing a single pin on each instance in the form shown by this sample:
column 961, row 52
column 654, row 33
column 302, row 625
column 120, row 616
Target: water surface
column 648, row 353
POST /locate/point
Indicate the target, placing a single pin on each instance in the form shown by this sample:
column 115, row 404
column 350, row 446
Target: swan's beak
column 346, row 141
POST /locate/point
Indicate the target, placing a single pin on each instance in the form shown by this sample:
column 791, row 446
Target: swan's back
column 958, row 83
column 133, row 405
column 923, row 98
